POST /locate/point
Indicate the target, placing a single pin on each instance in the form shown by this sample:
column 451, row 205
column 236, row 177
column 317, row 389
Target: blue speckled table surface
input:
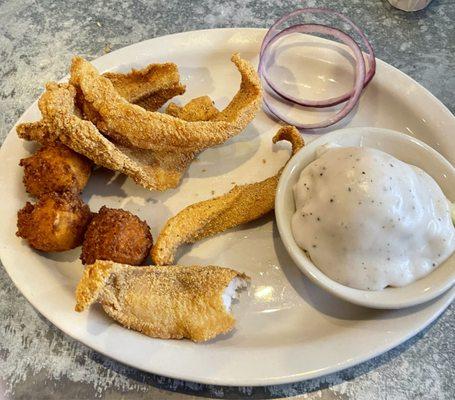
column 37, row 40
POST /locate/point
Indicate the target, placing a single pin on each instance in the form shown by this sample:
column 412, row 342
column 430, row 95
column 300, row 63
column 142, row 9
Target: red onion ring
column 318, row 103
column 359, row 73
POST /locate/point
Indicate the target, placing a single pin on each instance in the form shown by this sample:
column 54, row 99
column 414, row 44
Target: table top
column 37, row 41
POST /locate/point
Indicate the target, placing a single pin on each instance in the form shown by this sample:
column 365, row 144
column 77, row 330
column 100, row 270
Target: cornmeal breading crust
column 171, row 302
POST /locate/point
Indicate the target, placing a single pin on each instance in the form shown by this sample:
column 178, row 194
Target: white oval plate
column 287, row 328
column 403, row 147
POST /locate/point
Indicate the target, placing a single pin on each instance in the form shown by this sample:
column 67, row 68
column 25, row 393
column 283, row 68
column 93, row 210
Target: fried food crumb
column 57, row 222
column 116, row 235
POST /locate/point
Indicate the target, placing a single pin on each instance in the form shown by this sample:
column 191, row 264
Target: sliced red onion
column 359, row 73
column 312, row 103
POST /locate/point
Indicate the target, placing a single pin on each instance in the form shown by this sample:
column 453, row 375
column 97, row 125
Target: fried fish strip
column 150, row 88
column 159, row 98
column 132, row 125
column 37, row 131
column 162, row 164
column 198, row 109
column 171, row 302
column 138, row 85
column 242, row 204
column 157, row 170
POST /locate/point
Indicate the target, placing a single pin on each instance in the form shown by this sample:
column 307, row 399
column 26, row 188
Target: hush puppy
column 57, row 222
column 55, row 168
column 116, row 235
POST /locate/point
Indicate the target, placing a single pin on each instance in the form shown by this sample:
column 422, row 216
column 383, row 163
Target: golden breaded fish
column 172, row 302
column 160, row 163
column 242, row 204
column 198, row 109
column 154, row 80
column 150, row 169
column 37, row 131
column 130, row 124
column 149, row 87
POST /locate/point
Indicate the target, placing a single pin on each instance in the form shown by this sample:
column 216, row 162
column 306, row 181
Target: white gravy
column 368, row 220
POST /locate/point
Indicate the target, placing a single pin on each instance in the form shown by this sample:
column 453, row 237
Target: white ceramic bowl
column 403, row 147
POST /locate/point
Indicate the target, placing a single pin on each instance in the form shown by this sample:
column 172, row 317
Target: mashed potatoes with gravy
column 368, row 220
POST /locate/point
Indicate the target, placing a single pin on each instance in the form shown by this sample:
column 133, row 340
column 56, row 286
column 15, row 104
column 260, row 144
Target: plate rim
column 223, row 381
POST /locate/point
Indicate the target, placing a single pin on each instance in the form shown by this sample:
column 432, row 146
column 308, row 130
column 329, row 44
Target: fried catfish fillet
column 242, row 204
column 149, row 87
column 169, row 150
column 172, row 302
column 159, row 170
column 37, row 131
column 132, row 125
column 198, row 109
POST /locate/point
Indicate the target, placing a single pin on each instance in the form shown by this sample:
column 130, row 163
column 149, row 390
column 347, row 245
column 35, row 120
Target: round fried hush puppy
column 116, row 235
column 57, row 222
column 55, row 168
